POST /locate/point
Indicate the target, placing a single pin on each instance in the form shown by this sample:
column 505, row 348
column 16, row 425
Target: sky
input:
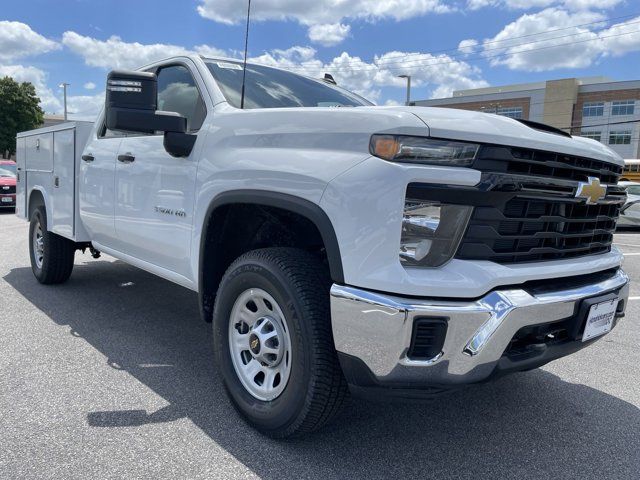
column 445, row 45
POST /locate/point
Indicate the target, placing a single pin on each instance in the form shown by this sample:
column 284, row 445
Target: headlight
column 431, row 232
column 400, row 148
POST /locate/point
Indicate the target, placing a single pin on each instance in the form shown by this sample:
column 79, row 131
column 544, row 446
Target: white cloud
column 574, row 5
column 316, row 13
column 527, row 4
column 209, row 51
column 49, row 102
column 116, row 53
column 621, row 38
column 18, row 40
column 439, row 75
column 591, row 4
column 544, row 48
column 467, row 47
column 89, row 86
column 329, row 34
column 85, row 107
column 478, row 4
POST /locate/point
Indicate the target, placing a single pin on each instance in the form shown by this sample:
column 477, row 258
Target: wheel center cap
column 254, row 344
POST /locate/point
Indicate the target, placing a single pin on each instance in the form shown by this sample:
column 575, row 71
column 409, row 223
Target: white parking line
column 631, row 254
column 634, row 298
column 626, row 244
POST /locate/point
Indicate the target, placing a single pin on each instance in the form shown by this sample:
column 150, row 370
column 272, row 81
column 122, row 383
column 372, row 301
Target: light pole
column 408, row 77
column 64, row 86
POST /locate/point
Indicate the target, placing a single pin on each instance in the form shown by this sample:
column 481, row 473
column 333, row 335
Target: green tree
column 19, row 111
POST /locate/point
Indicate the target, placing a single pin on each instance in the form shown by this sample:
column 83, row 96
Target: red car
column 7, row 184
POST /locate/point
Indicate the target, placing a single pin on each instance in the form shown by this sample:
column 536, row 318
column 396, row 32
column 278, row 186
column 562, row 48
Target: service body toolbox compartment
column 49, row 162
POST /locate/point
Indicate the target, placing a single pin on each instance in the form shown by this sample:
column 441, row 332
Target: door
column 64, row 178
column 21, row 178
column 96, row 189
column 155, row 191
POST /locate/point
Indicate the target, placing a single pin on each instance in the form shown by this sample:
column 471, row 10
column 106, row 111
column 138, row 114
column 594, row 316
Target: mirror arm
column 628, row 204
column 179, row 144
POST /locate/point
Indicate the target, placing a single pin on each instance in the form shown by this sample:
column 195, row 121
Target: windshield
column 267, row 87
column 633, row 189
column 7, row 170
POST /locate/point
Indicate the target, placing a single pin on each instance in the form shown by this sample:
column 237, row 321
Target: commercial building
column 596, row 107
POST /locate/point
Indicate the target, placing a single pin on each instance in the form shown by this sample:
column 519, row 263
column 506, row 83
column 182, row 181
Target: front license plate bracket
column 583, row 313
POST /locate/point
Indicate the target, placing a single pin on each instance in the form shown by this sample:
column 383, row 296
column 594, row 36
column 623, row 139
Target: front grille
column 7, row 189
column 536, row 216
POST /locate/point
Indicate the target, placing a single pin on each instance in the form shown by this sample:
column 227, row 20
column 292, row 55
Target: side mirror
column 131, row 106
column 630, row 205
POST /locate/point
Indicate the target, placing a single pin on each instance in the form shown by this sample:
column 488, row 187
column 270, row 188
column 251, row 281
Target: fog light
column 431, row 232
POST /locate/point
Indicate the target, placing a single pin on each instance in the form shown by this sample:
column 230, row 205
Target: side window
column 106, row 133
column 177, row 92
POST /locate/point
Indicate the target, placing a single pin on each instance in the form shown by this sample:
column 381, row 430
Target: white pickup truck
column 386, row 251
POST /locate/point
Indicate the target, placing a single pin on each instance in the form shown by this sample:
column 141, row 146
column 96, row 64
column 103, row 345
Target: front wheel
column 273, row 341
column 51, row 255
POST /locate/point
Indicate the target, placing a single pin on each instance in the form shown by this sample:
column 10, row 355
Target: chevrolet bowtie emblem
column 591, row 190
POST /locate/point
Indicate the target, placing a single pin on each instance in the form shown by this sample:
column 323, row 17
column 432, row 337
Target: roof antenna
column 244, row 64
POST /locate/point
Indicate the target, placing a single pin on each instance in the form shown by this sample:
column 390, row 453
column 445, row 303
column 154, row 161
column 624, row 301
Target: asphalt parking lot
column 111, row 376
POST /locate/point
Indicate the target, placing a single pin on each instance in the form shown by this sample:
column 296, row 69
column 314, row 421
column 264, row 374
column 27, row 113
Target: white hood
column 488, row 128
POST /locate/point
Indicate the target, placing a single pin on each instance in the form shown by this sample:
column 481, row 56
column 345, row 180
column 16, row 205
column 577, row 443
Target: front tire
column 273, row 342
column 51, row 255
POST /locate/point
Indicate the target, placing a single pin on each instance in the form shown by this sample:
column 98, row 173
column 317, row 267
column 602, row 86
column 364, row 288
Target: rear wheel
column 51, row 255
column 273, row 341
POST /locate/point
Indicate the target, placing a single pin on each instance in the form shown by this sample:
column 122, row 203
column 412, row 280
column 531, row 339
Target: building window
column 593, row 135
column 511, row 112
column 594, row 109
column 623, row 107
column 620, row 137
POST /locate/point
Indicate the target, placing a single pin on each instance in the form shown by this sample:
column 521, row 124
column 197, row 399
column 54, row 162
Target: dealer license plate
column 600, row 319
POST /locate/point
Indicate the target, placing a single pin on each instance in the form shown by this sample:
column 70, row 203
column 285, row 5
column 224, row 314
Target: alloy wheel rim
column 260, row 344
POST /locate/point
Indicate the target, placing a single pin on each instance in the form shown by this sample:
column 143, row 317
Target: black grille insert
column 538, row 229
column 538, row 163
column 427, row 338
column 535, row 215
column 7, row 189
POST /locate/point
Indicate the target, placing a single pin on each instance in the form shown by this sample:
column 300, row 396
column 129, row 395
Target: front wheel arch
column 310, row 211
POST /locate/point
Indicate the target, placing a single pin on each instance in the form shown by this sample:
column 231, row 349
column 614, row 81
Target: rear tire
column 51, row 255
column 311, row 390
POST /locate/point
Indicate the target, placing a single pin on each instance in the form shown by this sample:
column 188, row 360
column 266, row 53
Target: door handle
column 126, row 158
column 88, row 157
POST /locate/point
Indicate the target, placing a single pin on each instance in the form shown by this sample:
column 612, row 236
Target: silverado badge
column 591, row 191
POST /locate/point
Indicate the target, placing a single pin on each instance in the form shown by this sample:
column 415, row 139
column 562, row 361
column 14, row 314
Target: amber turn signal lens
column 384, row 146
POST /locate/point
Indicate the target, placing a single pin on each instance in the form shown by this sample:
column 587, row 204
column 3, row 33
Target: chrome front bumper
column 376, row 328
